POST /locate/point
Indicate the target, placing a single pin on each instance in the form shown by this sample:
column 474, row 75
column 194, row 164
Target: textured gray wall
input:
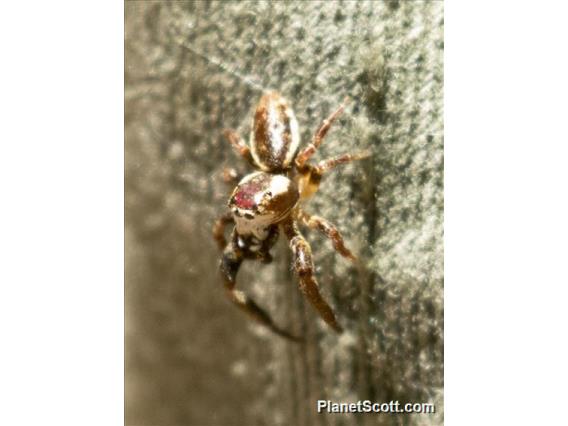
column 191, row 357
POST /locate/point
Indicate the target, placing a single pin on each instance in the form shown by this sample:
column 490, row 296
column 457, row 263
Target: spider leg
column 304, row 267
column 231, row 176
column 330, row 231
column 325, row 166
column 311, row 176
column 318, row 137
column 239, row 145
column 233, row 256
column 219, row 229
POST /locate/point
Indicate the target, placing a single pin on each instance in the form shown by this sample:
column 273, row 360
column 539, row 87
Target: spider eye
column 248, row 216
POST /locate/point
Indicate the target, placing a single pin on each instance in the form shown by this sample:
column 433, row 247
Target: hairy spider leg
column 240, row 146
column 307, row 152
column 329, row 230
column 325, row 166
column 304, row 266
column 219, row 229
column 310, row 176
column 233, row 257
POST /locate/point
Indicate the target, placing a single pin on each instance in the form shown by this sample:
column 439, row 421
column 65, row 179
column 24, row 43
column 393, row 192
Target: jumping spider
column 267, row 202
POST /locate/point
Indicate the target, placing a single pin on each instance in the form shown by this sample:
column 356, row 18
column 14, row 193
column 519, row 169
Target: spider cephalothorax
column 267, row 202
column 261, row 199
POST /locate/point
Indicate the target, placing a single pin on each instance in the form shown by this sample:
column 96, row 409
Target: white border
column 61, row 236
column 506, row 213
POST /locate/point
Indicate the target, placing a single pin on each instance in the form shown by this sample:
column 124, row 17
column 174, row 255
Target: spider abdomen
column 274, row 137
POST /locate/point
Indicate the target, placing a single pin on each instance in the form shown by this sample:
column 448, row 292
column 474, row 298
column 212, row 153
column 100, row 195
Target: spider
column 267, row 202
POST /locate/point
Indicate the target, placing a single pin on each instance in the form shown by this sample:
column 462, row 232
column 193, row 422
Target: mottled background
column 191, row 357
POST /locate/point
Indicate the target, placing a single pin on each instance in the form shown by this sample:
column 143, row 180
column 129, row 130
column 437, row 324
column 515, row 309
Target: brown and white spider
column 267, row 202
